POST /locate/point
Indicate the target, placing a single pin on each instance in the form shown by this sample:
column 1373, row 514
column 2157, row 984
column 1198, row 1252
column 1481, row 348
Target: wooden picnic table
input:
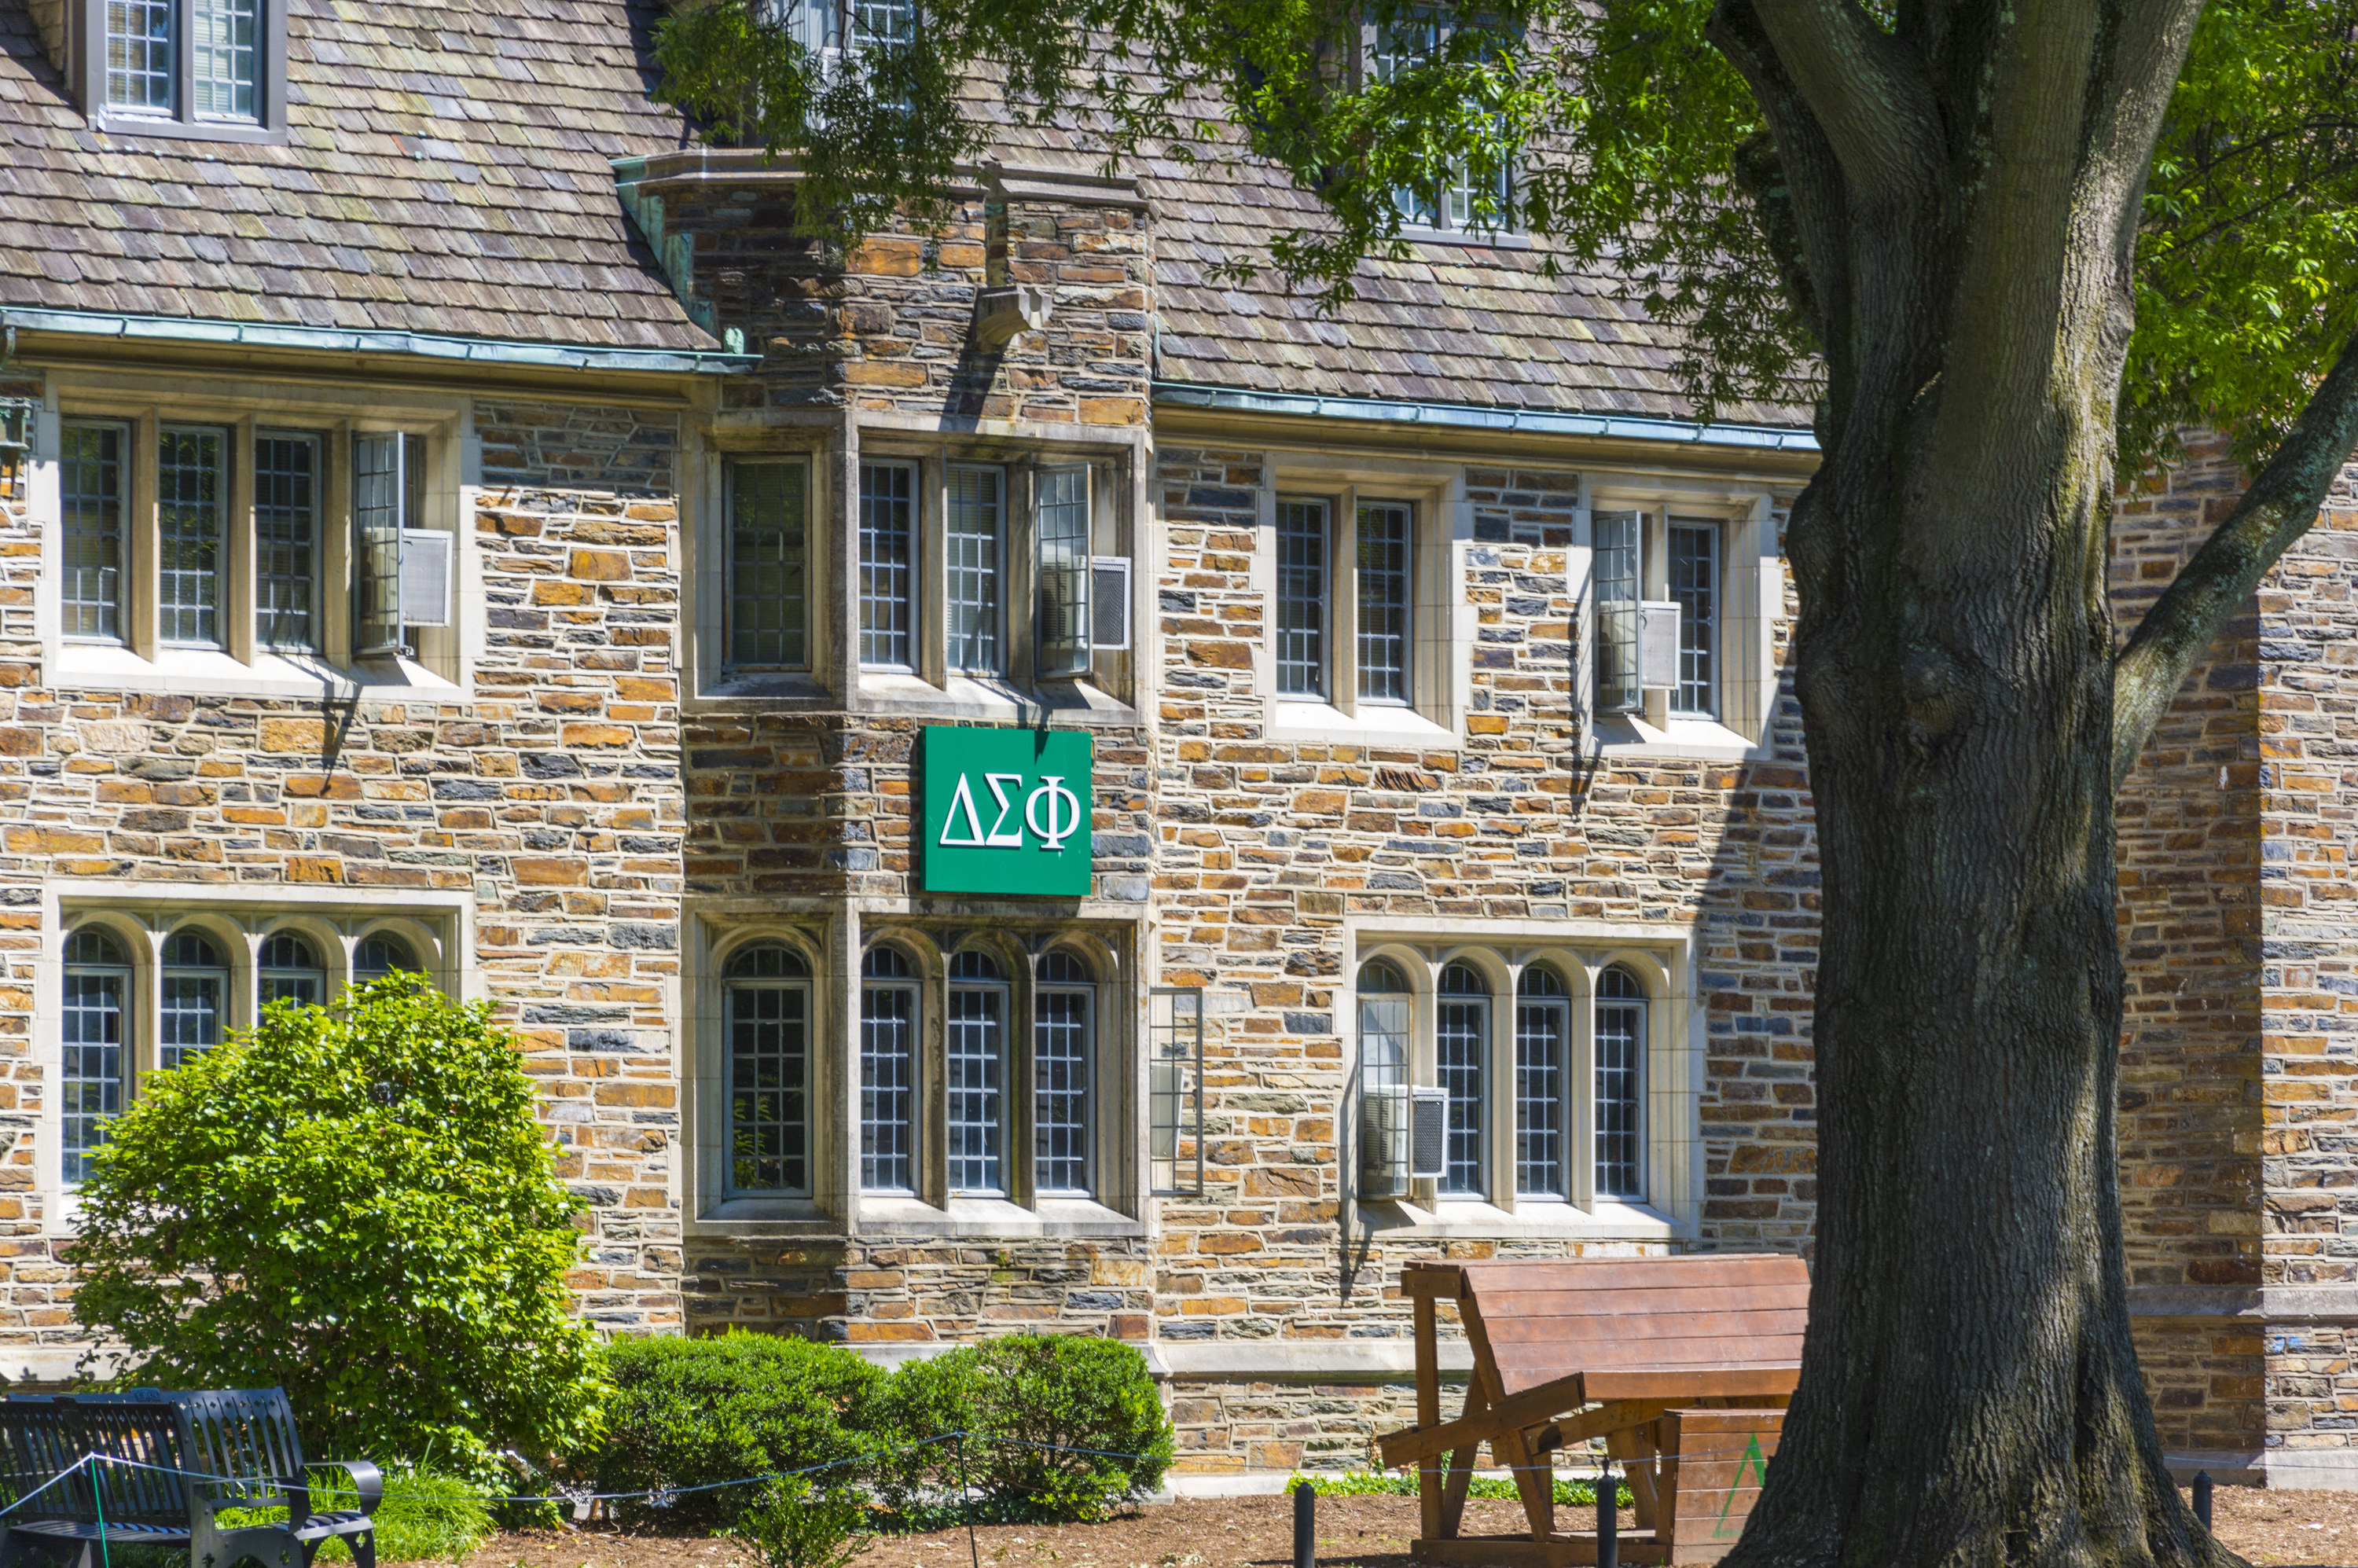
column 1682, row 1367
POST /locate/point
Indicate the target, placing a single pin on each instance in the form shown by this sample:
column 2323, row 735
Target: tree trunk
column 1969, row 1393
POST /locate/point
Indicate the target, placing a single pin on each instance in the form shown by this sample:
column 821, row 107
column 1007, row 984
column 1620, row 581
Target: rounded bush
column 688, row 1412
column 1063, row 1427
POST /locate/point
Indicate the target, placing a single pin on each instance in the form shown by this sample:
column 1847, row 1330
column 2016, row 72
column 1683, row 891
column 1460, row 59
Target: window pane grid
column 769, row 1113
column 139, row 50
column 1621, row 1039
column 1302, row 597
column 1694, row 583
column 1541, row 1034
column 286, row 536
column 977, row 503
column 1615, row 537
column 222, row 38
column 768, row 566
column 191, row 1015
column 973, row 1091
column 90, row 479
column 1063, row 532
column 887, row 1088
column 1060, row 1116
column 188, row 543
column 91, row 1078
column 887, row 561
column 1383, row 604
column 1460, row 1038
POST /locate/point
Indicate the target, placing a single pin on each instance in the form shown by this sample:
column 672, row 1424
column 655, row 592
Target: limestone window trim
column 1750, row 603
column 241, row 657
column 835, row 945
column 1576, row 954
column 1442, row 621
column 930, row 682
column 143, row 918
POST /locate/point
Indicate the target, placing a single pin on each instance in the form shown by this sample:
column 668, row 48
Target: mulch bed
column 2275, row 1530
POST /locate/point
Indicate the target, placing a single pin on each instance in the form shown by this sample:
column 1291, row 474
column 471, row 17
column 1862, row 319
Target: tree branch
column 1865, row 87
column 2278, row 508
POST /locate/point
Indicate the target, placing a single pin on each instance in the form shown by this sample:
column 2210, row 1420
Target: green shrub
column 1023, row 1397
column 686, row 1413
column 357, row 1206
column 790, row 1523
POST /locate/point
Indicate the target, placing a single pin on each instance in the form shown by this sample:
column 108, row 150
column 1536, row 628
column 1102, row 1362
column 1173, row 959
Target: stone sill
column 1623, row 737
column 886, row 692
column 1384, row 727
column 202, row 671
column 983, row 1218
column 1397, row 1221
column 2255, row 1305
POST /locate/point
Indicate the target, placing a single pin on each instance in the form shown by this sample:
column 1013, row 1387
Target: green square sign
column 1005, row 811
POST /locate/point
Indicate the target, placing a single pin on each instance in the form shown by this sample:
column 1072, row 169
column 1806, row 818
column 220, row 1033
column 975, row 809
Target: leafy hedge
column 690, row 1413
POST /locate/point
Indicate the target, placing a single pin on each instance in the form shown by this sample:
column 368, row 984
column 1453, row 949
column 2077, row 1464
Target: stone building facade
column 753, row 556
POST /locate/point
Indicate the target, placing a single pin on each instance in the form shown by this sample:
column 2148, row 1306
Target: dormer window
column 213, row 70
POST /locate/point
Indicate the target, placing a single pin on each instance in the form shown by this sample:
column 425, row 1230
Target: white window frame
column 1577, row 953
column 1750, row 593
column 88, row 55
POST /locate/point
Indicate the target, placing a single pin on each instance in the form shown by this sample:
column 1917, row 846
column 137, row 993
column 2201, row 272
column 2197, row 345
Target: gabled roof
column 447, row 171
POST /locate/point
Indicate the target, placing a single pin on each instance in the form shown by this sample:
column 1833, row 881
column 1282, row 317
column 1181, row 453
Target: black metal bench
column 199, row 1455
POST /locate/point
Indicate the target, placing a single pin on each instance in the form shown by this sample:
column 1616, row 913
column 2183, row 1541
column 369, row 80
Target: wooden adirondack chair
column 1682, row 1366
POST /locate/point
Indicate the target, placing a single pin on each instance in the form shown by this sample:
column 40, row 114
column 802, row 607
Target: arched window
column 290, row 971
column 1620, row 1082
column 1384, row 1004
column 976, row 1089
column 379, row 954
column 96, row 1004
column 887, row 1073
column 766, row 997
column 1461, row 1042
column 195, row 990
column 1064, row 1034
column 1542, row 1077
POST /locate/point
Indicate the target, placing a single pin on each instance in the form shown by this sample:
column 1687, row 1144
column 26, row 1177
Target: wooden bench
column 1681, row 1365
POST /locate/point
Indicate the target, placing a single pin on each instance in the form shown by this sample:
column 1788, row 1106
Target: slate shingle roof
column 447, row 171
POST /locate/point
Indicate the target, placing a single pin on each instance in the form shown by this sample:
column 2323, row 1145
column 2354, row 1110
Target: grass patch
column 424, row 1514
column 1568, row 1493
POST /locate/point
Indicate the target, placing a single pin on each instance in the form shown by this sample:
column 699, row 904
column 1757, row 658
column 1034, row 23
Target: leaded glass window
column 194, row 997
column 769, row 611
column 1302, row 597
column 379, row 955
column 1062, row 1035
column 976, row 528
column 289, row 970
column 1383, row 603
column 888, row 557
column 887, row 1073
column 140, row 50
column 977, row 1049
column 1062, row 529
column 767, row 1001
column 1620, row 1082
column 285, row 541
column 189, row 500
column 1616, row 536
column 95, row 1007
column 224, row 37
column 1694, row 584
column 91, row 482
column 1461, row 1052
column 1543, row 1068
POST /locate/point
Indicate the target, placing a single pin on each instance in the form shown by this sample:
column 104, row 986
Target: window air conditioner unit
column 1109, row 602
column 1402, row 1137
column 424, row 577
column 1658, row 642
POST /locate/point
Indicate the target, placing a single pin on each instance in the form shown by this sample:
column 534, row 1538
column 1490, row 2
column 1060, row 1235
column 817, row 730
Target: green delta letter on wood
column 1006, row 811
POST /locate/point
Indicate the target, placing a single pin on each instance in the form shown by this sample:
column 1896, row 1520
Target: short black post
column 1306, row 1525
column 2202, row 1498
column 1609, row 1520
